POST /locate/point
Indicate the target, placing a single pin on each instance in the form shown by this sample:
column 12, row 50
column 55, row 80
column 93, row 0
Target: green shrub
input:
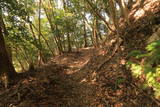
column 147, row 63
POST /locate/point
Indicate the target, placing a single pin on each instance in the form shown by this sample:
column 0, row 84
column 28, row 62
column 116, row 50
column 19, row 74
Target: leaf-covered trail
column 82, row 94
column 69, row 80
column 62, row 82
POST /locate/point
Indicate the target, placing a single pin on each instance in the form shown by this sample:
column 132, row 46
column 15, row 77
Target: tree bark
column 85, row 35
column 69, row 42
column 7, row 71
column 60, row 47
column 40, row 54
column 124, row 10
column 95, row 32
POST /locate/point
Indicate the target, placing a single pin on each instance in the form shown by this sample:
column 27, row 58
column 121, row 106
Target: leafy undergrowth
column 147, row 66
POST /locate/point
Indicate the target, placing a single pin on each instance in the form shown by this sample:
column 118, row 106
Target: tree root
column 110, row 57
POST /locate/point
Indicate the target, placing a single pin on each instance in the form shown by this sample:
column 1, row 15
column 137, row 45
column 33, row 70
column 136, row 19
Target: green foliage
column 153, row 46
column 135, row 53
column 148, row 65
column 135, row 68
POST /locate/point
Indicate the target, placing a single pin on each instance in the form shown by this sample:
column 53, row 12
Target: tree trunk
column 7, row 71
column 85, row 35
column 113, row 13
column 40, row 54
column 59, row 41
column 69, row 42
column 124, row 10
column 95, row 35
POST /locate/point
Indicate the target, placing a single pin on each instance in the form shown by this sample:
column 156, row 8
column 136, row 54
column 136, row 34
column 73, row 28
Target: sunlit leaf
column 153, row 45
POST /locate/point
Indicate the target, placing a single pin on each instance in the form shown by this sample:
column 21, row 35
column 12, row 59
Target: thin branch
column 99, row 15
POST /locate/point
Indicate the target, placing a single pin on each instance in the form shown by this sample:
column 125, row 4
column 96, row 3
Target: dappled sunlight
column 148, row 7
column 83, row 80
column 75, row 61
column 76, row 67
column 138, row 14
column 64, row 59
column 91, row 81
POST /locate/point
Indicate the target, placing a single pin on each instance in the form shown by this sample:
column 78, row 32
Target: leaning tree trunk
column 7, row 71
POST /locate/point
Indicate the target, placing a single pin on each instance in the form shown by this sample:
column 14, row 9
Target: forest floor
column 72, row 80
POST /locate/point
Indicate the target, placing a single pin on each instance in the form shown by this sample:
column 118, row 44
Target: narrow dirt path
column 83, row 93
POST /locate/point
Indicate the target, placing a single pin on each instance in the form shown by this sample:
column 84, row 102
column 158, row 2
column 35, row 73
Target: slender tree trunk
column 35, row 39
column 76, row 42
column 63, row 42
column 69, row 42
column 68, row 33
column 91, row 28
column 40, row 57
column 84, row 28
column 92, row 39
column 85, row 35
column 113, row 13
column 95, row 35
column 100, row 36
column 98, row 30
column 33, row 34
column 59, row 41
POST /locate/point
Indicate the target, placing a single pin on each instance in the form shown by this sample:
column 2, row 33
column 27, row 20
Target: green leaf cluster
column 148, row 65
